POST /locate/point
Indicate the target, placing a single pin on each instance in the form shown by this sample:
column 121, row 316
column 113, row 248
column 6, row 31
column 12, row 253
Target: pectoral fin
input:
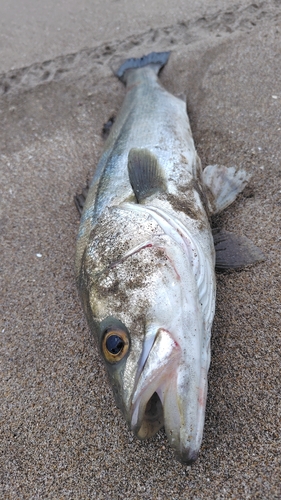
column 145, row 174
column 234, row 252
column 223, row 185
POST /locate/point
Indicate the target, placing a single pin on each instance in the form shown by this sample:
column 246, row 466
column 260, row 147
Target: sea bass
column 145, row 260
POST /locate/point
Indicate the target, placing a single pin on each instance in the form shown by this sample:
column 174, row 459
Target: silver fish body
column 145, row 260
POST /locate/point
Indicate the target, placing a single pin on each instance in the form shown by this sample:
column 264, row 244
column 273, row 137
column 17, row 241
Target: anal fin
column 234, row 252
column 145, row 174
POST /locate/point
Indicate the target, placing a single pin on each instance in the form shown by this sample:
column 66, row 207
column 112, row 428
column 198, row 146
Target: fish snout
column 184, row 412
column 185, row 445
column 171, row 391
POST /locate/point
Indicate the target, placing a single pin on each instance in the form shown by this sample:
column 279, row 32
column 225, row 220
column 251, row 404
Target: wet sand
column 61, row 433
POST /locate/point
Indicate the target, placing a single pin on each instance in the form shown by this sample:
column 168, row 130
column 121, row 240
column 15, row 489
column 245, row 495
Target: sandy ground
column 61, row 434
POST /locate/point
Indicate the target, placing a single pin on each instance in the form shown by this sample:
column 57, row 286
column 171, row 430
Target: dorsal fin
column 145, row 173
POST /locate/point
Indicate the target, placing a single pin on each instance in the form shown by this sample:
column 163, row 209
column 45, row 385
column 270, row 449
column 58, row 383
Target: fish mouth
column 153, row 418
column 162, row 396
column 159, row 359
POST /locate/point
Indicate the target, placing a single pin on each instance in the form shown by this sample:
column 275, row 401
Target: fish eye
column 115, row 345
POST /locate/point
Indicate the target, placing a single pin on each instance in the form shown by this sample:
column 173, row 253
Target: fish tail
column 155, row 59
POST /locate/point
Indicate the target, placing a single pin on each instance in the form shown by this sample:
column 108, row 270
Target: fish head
column 141, row 299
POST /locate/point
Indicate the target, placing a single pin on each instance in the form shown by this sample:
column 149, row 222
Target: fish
column 146, row 257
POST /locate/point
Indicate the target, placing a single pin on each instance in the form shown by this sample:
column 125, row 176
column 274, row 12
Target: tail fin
column 156, row 59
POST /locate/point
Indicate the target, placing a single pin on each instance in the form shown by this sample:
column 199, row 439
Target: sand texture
column 62, row 436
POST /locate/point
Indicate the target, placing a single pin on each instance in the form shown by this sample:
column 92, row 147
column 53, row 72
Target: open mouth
column 157, row 374
column 153, row 418
column 168, row 394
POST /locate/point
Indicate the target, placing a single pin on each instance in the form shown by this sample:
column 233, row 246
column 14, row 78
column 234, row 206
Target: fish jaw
column 154, row 375
column 169, row 392
column 184, row 414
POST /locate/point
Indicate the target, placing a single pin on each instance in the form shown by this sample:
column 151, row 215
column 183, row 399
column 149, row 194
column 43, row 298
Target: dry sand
column 61, row 434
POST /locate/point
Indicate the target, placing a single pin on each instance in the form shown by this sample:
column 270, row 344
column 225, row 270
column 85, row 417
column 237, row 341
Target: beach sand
column 62, row 436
